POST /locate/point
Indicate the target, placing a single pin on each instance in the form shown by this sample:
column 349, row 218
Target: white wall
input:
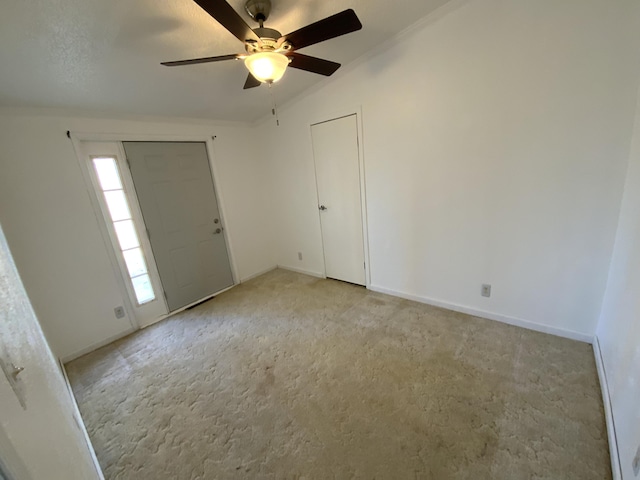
column 619, row 329
column 43, row 440
column 495, row 146
column 52, row 228
column 495, row 141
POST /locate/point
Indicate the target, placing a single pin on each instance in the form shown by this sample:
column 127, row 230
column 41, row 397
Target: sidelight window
column 106, row 168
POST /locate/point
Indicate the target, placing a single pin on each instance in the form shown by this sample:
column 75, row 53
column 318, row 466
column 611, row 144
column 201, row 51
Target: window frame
column 114, row 226
column 153, row 310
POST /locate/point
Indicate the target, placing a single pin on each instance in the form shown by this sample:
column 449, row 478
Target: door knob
column 322, row 207
column 16, row 370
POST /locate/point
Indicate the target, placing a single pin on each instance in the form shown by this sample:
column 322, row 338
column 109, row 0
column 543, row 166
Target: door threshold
column 187, row 307
column 200, row 302
column 347, row 282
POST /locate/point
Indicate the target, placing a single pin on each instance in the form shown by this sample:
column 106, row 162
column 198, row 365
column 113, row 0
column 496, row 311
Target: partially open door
column 175, row 190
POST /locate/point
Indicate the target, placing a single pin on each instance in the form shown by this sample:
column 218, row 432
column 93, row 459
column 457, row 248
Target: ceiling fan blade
column 229, row 19
column 251, row 82
column 194, row 61
column 312, row 64
column 330, row 27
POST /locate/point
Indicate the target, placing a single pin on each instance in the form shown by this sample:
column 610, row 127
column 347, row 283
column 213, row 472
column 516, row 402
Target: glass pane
column 107, row 172
column 135, row 262
column 143, row 288
column 126, row 234
column 118, row 206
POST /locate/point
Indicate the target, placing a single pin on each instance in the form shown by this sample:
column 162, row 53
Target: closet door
column 335, row 151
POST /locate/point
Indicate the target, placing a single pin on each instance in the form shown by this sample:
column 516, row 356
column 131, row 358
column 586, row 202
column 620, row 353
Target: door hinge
column 165, row 295
column 128, row 163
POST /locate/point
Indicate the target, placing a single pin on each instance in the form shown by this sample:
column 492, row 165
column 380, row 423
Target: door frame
column 157, row 308
column 327, row 117
column 77, row 138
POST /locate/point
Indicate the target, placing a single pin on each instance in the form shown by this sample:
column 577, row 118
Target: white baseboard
column 616, row 467
column 102, row 343
column 257, row 274
column 303, row 271
column 518, row 322
column 97, row 345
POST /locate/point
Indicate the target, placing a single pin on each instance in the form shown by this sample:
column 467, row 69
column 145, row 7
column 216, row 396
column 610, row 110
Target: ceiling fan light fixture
column 268, row 67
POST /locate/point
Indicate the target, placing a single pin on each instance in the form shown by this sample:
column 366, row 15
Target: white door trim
column 335, row 115
column 77, row 138
column 138, row 220
column 80, row 421
column 83, row 164
column 215, row 174
column 614, row 452
column 144, row 314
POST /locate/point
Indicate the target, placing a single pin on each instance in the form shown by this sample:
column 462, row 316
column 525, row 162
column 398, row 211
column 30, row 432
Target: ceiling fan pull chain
column 274, row 107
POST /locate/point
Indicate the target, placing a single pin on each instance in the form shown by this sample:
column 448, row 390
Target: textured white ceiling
column 105, row 55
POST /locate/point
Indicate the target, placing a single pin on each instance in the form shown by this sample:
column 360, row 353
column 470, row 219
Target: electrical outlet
column 486, row 290
column 635, row 464
column 299, row 255
column 119, row 311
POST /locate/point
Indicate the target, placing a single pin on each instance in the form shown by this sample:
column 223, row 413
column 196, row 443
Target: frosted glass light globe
column 268, row 67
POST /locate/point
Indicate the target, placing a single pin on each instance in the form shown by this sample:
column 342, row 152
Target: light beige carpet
column 289, row 376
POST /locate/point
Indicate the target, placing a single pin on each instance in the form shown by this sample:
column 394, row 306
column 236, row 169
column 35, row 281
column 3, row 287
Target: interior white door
column 335, row 151
column 175, row 191
column 40, row 433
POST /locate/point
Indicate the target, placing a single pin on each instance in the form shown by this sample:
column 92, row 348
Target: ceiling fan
column 268, row 52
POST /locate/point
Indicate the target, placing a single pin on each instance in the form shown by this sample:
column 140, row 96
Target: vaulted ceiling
column 105, row 55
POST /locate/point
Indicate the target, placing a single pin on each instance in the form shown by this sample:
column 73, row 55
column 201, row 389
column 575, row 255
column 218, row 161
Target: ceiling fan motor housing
column 268, row 33
column 269, row 41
